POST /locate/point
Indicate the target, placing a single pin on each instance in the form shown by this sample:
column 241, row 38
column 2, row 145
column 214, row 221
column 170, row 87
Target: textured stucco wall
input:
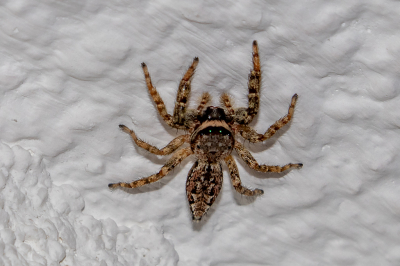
column 70, row 73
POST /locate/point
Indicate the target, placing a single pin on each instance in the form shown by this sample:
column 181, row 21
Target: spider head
column 213, row 139
column 212, row 142
column 213, row 113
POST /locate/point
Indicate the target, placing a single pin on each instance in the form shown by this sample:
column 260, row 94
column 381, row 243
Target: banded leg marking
column 171, row 147
column 156, row 98
column 252, row 136
column 183, row 95
column 236, row 182
column 176, row 159
column 252, row 163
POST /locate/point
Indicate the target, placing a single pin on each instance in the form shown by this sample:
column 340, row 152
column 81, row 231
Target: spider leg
column 170, row 148
column 252, row 136
column 191, row 115
column 176, row 159
column 183, row 95
column 227, row 102
column 157, row 99
column 252, row 163
column 236, row 182
column 254, row 85
column 205, row 98
column 246, row 115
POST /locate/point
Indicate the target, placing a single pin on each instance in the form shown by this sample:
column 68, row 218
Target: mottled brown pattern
column 212, row 141
column 203, row 185
column 211, row 133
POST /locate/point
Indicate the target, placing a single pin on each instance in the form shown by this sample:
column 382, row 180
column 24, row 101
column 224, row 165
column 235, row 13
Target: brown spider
column 211, row 134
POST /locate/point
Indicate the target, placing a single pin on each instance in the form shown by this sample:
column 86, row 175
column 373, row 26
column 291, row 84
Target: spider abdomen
column 203, row 186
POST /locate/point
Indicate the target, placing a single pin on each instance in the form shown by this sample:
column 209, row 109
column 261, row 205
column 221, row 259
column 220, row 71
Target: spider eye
column 220, row 131
column 210, row 130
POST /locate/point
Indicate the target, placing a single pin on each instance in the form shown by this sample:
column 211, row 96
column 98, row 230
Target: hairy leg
column 183, row 95
column 157, row 99
column 226, row 101
column 252, row 163
column 252, row 136
column 191, row 115
column 246, row 115
column 205, row 98
column 170, row 148
column 236, row 182
column 176, row 159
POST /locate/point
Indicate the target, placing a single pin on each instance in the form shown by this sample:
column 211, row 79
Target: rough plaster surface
column 70, row 73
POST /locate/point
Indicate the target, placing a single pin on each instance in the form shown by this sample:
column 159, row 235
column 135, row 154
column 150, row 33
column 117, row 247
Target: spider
column 211, row 133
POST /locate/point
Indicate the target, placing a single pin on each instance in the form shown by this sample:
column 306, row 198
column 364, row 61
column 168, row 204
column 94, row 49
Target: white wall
column 70, row 74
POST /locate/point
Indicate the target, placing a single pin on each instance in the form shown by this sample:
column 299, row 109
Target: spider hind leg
column 236, row 182
column 176, row 159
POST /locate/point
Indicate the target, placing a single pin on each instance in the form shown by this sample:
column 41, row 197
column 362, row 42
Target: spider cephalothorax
column 211, row 135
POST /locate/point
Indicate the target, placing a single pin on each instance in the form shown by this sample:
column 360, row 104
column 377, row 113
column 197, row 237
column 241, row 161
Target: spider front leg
column 176, row 159
column 252, row 136
column 236, row 182
column 171, row 147
column 226, row 101
column 245, row 115
column 252, row 163
column 157, row 99
column 205, row 98
column 183, row 95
